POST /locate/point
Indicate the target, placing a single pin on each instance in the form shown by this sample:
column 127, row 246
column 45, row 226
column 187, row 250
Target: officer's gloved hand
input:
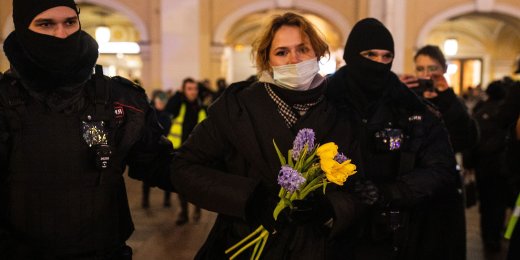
column 315, row 208
column 366, row 191
column 384, row 195
column 394, row 194
column 260, row 207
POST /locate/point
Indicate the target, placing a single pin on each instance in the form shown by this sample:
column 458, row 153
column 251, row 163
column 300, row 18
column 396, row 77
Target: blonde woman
column 229, row 164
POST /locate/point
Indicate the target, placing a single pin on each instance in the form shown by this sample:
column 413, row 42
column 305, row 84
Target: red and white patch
column 119, row 112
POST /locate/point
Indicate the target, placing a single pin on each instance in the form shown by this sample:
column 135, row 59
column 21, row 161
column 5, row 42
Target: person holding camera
column 430, row 83
column 66, row 137
column 407, row 170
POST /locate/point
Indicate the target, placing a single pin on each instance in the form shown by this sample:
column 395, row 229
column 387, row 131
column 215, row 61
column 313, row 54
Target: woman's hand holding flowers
column 260, row 207
column 303, row 177
column 316, row 208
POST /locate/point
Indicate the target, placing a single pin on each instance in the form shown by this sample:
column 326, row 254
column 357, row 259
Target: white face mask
column 296, row 76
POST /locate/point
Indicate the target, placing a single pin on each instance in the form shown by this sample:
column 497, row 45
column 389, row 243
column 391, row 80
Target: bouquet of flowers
column 308, row 167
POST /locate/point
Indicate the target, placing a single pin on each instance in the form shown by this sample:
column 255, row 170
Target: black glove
column 366, row 191
column 393, row 194
column 315, row 208
column 260, row 207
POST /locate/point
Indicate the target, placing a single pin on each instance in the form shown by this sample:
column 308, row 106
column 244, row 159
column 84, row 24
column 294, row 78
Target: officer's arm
column 150, row 158
column 461, row 127
column 5, row 237
column 4, row 145
column 434, row 172
column 199, row 174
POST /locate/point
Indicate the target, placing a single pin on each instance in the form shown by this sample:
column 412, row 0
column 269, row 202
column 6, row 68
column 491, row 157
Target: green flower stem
column 264, row 241
column 281, row 193
column 258, row 230
column 254, row 242
column 279, row 207
column 310, row 187
column 309, row 160
column 313, row 188
column 257, row 245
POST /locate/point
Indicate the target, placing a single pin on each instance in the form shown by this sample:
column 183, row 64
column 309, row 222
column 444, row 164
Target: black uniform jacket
column 55, row 201
column 230, row 152
column 419, row 178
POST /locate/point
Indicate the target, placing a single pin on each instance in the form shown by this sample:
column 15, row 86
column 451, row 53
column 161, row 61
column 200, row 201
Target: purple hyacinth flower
column 290, row 179
column 340, row 158
column 304, row 136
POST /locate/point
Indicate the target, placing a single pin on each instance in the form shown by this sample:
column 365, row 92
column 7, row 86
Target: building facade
column 211, row 38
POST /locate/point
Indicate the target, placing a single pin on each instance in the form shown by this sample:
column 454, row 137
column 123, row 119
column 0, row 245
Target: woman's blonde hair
column 262, row 44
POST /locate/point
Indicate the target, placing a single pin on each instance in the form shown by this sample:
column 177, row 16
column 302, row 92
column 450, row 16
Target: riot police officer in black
column 66, row 136
column 407, row 166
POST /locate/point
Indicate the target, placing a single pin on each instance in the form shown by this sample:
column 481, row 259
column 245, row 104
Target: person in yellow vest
column 187, row 111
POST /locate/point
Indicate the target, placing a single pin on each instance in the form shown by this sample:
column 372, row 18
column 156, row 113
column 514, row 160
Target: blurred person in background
column 221, row 86
column 510, row 118
column 158, row 102
column 430, row 83
column 487, row 159
column 186, row 110
column 206, row 94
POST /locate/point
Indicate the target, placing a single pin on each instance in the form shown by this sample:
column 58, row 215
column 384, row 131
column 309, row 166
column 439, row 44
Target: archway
column 127, row 12
column 119, row 53
column 335, row 18
column 233, row 37
column 489, row 41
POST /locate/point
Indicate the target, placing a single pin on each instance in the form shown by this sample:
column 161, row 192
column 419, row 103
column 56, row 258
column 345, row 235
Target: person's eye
column 388, row 56
column 303, row 49
column 44, row 24
column 368, row 54
column 280, row 53
column 433, row 68
column 419, row 69
column 71, row 22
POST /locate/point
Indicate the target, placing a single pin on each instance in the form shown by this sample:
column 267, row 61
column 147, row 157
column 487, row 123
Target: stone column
column 393, row 14
column 180, row 30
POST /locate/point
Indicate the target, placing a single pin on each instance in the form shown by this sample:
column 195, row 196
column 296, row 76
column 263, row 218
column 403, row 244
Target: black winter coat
column 463, row 129
column 418, row 180
column 55, row 202
column 229, row 153
column 488, row 155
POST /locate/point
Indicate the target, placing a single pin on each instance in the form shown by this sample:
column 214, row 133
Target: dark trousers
column 184, row 207
column 492, row 197
column 514, row 244
column 146, row 196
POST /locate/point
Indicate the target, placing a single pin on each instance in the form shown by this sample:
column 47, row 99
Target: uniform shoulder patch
column 127, row 82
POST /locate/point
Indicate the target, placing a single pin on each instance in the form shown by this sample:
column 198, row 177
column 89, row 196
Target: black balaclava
column 368, row 75
column 44, row 61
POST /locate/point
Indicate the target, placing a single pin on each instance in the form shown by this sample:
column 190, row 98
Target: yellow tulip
column 336, row 172
column 327, row 151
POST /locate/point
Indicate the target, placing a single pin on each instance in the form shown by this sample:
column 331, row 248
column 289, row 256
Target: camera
column 424, row 85
column 102, row 153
